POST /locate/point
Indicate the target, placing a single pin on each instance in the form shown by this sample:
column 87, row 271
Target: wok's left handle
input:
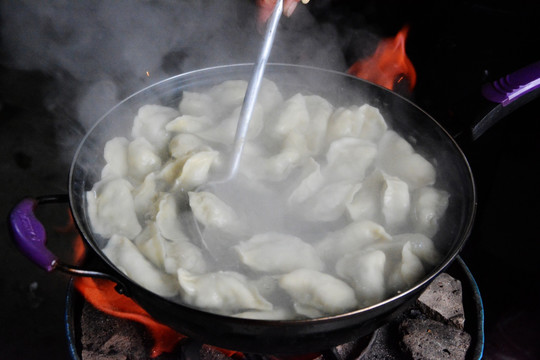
column 508, row 93
column 29, row 234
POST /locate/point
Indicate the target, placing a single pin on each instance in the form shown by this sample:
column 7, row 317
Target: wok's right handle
column 508, row 93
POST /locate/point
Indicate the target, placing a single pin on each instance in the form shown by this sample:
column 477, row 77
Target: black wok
column 264, row 336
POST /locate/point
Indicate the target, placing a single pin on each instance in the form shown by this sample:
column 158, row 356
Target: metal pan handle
column 30, row 238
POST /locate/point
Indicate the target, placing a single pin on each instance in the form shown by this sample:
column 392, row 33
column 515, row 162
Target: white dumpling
column 366, row 203
column 407, row 272
column 142, row 158
column 330, row 202
column 275, row 314
column 169, row 255
column 396, row 201
column 311, row 181
column 115, row 154
column 185, row 144
column 150, row 123
column 189, row 123
column 229, row 94
column 111, row 209
column 125, row 255
column 398, row 158
column 211, row 211
column 221, row 292
column 184, row 255
column 190, row 171
column 294, row 116
column 319, row 110
column 351, row 238
column 427, row 208
column 225, row 131
column 364, row 270
column 168, row 220
column 421, row 246
column 278, row 253
column 144, row 196
column 317, row 290
column 365, row 122
column 349, row 159
column 270, row 96
column 196, row 104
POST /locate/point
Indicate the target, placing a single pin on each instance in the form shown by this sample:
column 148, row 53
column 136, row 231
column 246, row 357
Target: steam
column 98, row 51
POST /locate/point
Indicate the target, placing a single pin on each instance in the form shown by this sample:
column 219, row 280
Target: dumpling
column 167, row 219
column 150, row 123
column 330, row 202
column 311, row 181
column 211, row 211
column 228, row 95
column 421, row 246
column 396, row 202
column 351, row 238
column 364, row 122
column 364, row 270
column 398, row 158
column 313, row 290
column 196, row 104
column 144, row 196
column 427, row 208
column 125, row 255
column 319, row 110
column 294, row 116
column 221, row 292
column 407, row 272
column 269, row 97
column 169, row 255
column 189, row 124
column 225, row 131
column 278, row 253
column 275, row 314
column 190, row 171
column 349, row 159
column 184, row 144
column 366, row 203
column 111, row 209
column 142, row 159
column 115, row 154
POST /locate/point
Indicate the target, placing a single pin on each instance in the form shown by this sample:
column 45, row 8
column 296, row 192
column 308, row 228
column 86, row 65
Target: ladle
column 246, row 111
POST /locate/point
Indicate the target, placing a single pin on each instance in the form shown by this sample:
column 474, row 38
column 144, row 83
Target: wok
column 430, row 139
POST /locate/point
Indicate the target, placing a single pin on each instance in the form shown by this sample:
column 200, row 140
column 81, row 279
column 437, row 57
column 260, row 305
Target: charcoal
column 442, row 301
column 107, row 337
column 427, row 339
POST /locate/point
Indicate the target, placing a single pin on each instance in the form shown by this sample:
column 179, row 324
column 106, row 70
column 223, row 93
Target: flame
column 389, row 65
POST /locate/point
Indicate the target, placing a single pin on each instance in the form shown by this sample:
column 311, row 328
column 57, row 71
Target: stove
column 455, row 46
column 93, row 334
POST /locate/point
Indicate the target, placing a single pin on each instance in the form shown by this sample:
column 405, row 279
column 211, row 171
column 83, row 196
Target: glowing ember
column 389, row 65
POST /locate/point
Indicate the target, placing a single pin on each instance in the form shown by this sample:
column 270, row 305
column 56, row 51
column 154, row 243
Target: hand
column 267, row 6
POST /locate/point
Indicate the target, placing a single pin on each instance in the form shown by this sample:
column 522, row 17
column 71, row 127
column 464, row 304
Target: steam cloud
column 99, row 51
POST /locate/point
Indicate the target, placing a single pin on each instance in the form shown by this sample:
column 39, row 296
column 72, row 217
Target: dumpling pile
column 331, row 210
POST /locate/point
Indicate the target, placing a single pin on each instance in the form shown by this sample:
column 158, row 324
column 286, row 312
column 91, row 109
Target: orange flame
column 389, row 65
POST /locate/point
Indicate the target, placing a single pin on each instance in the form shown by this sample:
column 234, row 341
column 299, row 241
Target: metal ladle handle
column 253, row 88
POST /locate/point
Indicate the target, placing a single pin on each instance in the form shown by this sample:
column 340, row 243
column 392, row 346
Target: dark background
column 455, row 47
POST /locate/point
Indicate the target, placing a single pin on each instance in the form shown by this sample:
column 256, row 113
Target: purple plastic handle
column 514, row 85
column 29, row 234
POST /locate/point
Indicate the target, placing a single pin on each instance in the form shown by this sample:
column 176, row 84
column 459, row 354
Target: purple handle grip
column 514, row 85
column 29, row 234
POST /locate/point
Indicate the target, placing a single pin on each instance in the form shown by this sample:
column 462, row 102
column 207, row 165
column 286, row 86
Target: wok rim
column 448, row 258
